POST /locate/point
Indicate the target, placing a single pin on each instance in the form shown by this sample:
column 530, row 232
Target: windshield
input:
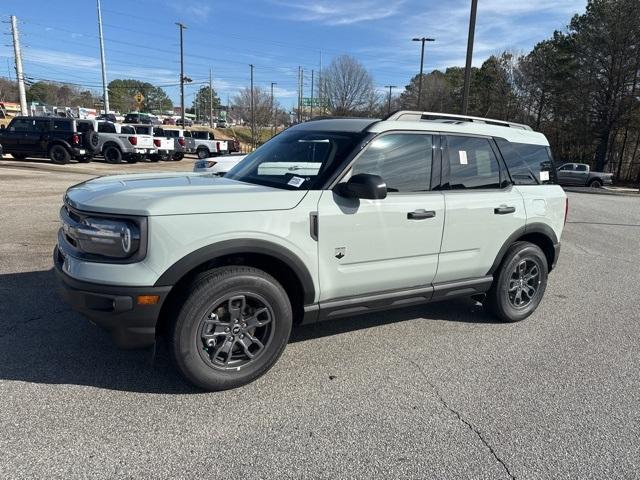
column 296, row 160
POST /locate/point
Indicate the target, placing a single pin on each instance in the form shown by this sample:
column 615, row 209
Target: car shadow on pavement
column 43, row 341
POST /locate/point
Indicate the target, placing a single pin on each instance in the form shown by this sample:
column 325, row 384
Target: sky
column 60, row 39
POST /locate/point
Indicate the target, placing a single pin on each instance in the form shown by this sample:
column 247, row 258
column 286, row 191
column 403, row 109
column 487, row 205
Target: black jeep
column 50, row 137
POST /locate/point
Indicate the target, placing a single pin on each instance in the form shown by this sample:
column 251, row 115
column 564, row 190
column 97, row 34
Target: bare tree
column 347, row 87
column 262, row 104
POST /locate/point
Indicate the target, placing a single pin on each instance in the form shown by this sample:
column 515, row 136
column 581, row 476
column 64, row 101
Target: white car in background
column 217, row 165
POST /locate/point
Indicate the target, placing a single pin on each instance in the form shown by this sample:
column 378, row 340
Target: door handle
column 502, row 210
column 421, row 214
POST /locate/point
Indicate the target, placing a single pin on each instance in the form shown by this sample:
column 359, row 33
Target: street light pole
column 182, row 27
column 467, row 69
column 390, row 87
column 105, row 90
column 422, row 40
column 273, row 112
column 253, row 118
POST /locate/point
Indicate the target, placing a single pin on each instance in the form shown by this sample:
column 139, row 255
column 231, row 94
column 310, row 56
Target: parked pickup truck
column 164, row 143
column 581, row 174
column 181, row 143
column 119, row 142
column 206, row 144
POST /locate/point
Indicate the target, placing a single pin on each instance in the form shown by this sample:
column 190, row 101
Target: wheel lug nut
column 241, row 336
column 226, row 329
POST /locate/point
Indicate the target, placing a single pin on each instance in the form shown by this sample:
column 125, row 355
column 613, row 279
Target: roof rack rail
column 411, row 115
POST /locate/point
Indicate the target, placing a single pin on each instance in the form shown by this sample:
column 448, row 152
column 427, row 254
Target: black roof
column 340, row 124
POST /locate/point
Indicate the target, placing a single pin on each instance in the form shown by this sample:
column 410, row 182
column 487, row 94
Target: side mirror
column 363, row 185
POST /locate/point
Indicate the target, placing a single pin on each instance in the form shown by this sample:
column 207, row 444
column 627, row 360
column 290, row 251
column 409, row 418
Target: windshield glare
column 296, row 160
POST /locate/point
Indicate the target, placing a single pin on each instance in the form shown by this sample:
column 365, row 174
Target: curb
column 601, row 191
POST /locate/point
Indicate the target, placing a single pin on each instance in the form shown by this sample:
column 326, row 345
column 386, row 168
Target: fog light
column 148, row 299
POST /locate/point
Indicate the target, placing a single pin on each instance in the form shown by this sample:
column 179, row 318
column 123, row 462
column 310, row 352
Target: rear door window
column 21, row 125
column 472, row 163
column 106, row 128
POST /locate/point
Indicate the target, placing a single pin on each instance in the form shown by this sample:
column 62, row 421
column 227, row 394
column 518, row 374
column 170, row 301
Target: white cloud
column 338, row 13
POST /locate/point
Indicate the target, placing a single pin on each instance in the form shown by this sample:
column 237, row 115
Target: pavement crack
column 466, row 422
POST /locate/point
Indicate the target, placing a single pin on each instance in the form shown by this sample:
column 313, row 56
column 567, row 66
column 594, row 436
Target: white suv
column 331, row 218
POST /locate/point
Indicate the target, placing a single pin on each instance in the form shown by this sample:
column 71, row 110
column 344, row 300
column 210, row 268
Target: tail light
column 181, row 141
column 76, row 139
column 566, row 209
column 156, row 142
column 133, row 140
column 218, row 146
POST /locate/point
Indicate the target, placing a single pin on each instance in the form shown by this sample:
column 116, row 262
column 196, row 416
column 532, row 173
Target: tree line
column 580, row 87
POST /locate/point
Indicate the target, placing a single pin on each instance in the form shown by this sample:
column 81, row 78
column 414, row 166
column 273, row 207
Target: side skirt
column 361, row 304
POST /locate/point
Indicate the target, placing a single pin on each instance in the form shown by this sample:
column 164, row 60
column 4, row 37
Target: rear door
column 374, row 246
column 482, row 207
column 581, row 174
column 12, row 136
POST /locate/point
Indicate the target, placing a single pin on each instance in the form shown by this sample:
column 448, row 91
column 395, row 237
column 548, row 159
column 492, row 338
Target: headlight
column 110, row 238
column 99, row 237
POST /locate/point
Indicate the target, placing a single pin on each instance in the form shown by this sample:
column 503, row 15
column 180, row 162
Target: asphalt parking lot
column 439, row 391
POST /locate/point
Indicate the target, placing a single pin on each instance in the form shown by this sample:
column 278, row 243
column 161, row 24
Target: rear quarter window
column 528, row 164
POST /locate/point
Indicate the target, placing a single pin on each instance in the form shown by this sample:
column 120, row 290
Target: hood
column 176, row 193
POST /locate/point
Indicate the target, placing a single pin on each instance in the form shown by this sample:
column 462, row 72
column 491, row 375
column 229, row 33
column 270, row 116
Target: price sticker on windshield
column 296, row 181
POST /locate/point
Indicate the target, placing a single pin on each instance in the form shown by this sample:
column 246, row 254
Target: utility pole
column 19, row 73
column 311, row 113
column 273, row 112
column 105, row 91
column 299, row 96
column 390, row 87
column 253, row 117
column 182, row 27
column 320, row 86
column 467, row 68
column 421, row 39
column 210, row 101
column 302, row 94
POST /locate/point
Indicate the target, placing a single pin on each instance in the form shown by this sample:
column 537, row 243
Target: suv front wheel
column 231, row 328
column 519, row 283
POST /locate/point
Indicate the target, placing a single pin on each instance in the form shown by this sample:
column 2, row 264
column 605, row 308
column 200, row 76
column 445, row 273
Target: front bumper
column 113, row 308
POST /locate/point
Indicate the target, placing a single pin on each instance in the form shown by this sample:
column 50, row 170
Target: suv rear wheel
column 519, row 284
column 59, row 155
column 112, row 154
column 232, row 327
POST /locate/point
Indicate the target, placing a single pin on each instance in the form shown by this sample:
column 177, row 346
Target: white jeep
column 331, row 218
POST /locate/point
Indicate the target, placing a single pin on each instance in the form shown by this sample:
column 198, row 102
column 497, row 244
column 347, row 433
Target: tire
column 19, row 156
column 112, row 154
column 178, row 156
column 85, row 158
column 59, row 155
column 595, row 183
column 500, row 300
column 202, row 153
column 90, row 140
column 204, row 365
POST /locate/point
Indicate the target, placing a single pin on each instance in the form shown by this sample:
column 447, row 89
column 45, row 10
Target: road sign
column 138, row 97
column 307, row 101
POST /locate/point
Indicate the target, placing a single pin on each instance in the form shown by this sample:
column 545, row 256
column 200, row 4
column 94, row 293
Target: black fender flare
column 536, row 227
column 182, row 267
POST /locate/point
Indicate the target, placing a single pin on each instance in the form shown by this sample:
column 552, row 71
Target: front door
column 371, row 246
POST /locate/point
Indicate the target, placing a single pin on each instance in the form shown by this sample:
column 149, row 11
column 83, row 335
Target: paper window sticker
column 296, row 181
column 544, row 176
column 463, row 157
